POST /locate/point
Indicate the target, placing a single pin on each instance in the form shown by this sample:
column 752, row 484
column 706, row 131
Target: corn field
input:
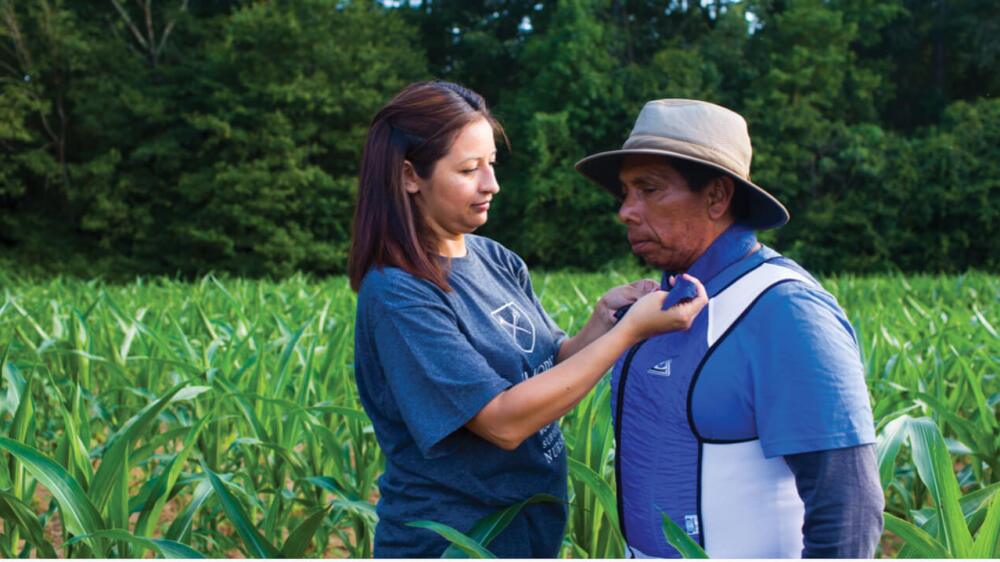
column 219, row 418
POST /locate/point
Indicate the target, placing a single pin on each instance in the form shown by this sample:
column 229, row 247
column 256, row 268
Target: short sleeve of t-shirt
column 808, row 381
column 438, row 379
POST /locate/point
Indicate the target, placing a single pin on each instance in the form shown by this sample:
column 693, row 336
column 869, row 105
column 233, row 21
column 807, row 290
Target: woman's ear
column 411, row 181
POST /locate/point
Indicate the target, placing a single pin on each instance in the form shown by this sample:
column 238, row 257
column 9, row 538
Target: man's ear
column 411, row 181
column 720, row 196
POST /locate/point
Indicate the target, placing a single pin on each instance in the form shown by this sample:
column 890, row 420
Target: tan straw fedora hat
column 697, row 131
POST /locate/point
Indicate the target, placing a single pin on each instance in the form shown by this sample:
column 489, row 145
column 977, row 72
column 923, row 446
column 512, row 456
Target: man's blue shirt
column 725, row 427
column 789, row 372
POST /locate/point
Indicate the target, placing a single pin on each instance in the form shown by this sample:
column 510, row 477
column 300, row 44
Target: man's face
column 669, row 225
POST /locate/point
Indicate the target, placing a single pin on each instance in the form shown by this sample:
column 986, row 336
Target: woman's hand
column 645, row 319
column 603, row 318
column 523, row 409
column 622, row 296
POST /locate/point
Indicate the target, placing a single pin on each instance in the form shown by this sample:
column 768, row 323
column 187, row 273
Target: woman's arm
column 603, row 317
column 523, row 409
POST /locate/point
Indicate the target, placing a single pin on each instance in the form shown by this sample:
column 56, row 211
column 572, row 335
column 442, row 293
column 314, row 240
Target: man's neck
column 730, row 246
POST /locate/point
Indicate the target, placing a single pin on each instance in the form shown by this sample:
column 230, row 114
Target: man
column 752, row 430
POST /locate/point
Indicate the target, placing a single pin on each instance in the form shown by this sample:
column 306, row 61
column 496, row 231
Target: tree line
column 186, row 136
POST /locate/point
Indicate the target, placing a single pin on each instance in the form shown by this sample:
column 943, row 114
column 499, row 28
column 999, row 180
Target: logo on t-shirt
column 517, row 325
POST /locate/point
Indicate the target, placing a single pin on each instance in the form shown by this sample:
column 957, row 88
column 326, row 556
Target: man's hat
column 692, row 130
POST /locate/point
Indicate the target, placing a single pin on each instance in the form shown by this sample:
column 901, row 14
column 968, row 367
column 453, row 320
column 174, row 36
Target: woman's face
column 456, row 198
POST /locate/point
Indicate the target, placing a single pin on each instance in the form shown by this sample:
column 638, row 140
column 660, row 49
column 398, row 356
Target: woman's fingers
column 702, row 295
column 623, row 295
column 644, row 286
column 686, row 311
column 647, row 317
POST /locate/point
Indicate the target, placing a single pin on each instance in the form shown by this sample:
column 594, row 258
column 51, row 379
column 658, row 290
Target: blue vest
column 727, row 496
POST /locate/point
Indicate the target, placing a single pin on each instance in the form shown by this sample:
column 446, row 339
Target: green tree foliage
column 225, row 139
column 284, row 107
column 919, row 204
column 570, row 104
column 43, row 53
column 182, row 137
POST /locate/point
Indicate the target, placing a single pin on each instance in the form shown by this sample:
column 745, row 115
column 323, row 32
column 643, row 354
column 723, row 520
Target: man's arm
column 843, row 499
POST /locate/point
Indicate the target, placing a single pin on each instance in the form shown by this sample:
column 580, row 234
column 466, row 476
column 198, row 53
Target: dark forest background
column 185, row 136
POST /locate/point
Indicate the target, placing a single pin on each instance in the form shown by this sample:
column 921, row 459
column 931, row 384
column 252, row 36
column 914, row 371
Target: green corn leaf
column 141, row 500
column 489, row 527
column 14, row 379
column 256, row 545
column 24, row 415
column 293, row 459
column 303, row 388
column 299, row 539
column 930, row 455
column 887, row 448
column 117, row 514
column 681, row 540
column 922, row 544
column 987, row 543
column 271, row 517
column 153, row 443
column 359, row 508
column 175, row 358
column 83, row 429
column 464, row 542
column 246, row 407
column 984, row 323
column 349, row 413
column 222, row 288
column 974, row 506
column 281, row 379
column 74, row 452
column 116, row 451
column 986, row 416
column 21, row 429
column 189, row 393
column 78, row 514
column 601, row 489
column 16, row 514
column 165, row 483
column 180, row 528
column 171, row 549
column 206, row 323
column 182, row 336
column 330, row 484
column 163, row 547
column 350, row 503
column 963, row 428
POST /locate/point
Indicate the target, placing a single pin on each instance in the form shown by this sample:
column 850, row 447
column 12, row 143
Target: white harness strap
column 726, row 307
column 750, row 505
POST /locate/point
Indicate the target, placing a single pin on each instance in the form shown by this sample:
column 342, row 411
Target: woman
column 461, row 371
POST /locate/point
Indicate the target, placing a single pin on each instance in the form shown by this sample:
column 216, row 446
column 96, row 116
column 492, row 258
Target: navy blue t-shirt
column 426, row 361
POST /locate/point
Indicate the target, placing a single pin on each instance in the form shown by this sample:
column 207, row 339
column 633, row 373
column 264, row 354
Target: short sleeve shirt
column 426, row 361
column 790, row 374
column 789, row 371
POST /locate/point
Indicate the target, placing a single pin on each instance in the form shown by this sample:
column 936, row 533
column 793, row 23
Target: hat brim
column 602, row 168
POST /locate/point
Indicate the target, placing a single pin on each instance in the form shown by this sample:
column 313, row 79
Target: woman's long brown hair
column 418, row 125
